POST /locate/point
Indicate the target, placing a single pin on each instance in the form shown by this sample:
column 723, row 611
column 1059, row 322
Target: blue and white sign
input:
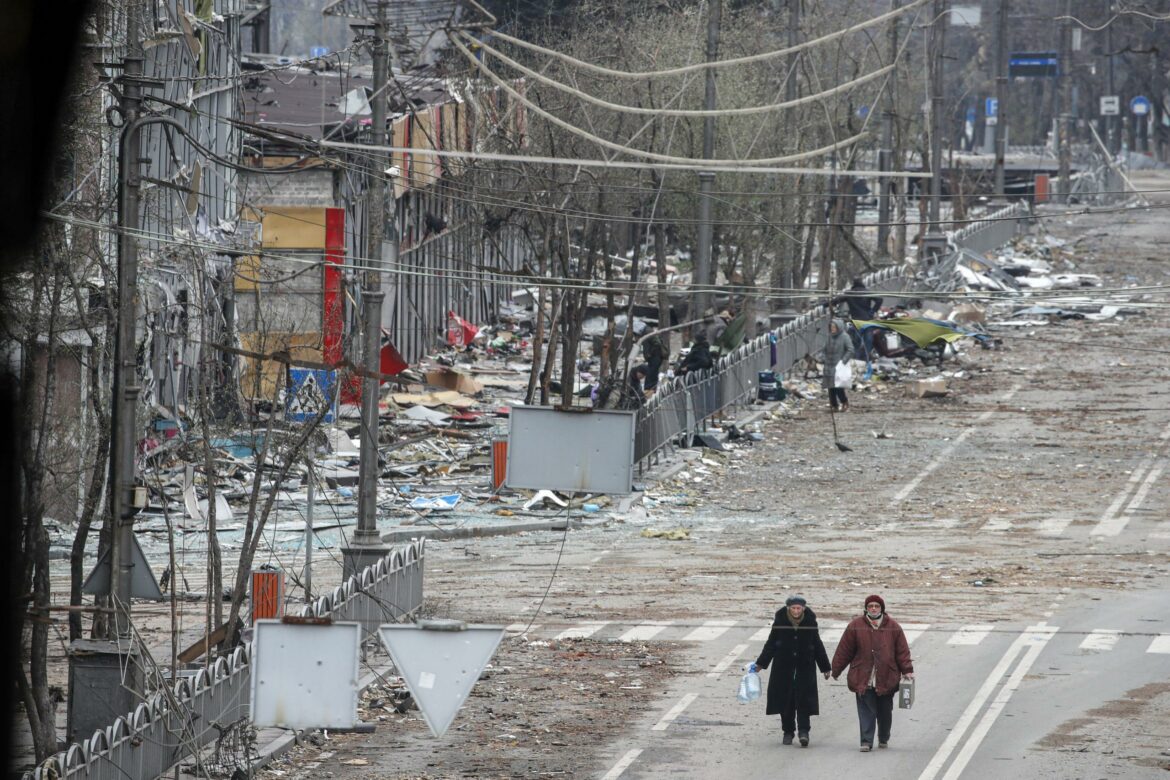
column 310, row 390
column 1041, row 64
column 1140, row 106
column 991, row 111
column 318, row 51
column 863, row 111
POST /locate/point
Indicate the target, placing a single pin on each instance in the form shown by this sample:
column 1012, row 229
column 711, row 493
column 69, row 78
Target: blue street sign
column 991, row 107
column 318, row 51
column 1042, row 64
column 863, row 111
column 310, row 390
column 1140, row 106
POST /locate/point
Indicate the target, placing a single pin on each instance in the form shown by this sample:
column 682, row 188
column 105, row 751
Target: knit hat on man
column 875, row 599
column 795, row 600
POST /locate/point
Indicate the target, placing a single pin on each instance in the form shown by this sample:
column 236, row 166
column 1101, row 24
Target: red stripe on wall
column 333, row 324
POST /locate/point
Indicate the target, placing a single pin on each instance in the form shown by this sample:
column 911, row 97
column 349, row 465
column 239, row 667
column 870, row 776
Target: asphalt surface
column 985, row 698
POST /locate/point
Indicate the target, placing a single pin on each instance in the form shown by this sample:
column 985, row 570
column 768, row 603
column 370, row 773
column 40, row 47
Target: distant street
column 1017, row 529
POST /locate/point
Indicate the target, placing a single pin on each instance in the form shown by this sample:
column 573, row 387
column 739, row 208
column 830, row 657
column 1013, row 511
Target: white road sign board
column 305, row 676
column 1110, row 105
column 440, row 660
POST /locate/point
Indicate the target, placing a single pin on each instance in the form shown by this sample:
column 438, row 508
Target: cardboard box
column 968, row 312
column 453, row 380
column 929, row 388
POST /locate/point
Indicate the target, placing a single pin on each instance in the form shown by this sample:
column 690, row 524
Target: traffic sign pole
column 1140, row 108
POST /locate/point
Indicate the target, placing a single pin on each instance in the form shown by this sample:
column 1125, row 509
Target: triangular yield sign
column 440, row 660
column 143, row 585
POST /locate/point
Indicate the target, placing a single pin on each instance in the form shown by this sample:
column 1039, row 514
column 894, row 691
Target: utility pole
column 1001, row 85
column 366, row 544
column 886, row 153
column 784, row 275
column 126, row 387
column 935, row 241
column 105, row 675
column 1113, row 128
column 703, row 273
column 312, row 477
column 1064, row 118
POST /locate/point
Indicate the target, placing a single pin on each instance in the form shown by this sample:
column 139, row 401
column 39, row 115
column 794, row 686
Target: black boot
column 804, row 739
column 787, row 737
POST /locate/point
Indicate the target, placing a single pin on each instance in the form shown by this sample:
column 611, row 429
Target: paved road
column 989, row 694
column 1017, row 528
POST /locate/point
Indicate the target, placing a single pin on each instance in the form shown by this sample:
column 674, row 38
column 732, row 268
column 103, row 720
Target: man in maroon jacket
column 875, row 649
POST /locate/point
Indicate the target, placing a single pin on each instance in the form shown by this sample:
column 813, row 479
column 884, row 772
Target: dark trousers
column 837, row 397
column 654, row 367
column 792, row 720
column 875, row 710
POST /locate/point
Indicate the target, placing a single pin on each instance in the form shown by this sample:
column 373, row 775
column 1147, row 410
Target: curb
column 290, row 739
column 469, row 532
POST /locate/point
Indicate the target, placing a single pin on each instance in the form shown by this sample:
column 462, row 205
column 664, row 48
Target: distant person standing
column 699, row 358
column 795, row 651
column 861, row 306
column 655, row 353
column 837, row 348
column 635, row 389
column 875, row 649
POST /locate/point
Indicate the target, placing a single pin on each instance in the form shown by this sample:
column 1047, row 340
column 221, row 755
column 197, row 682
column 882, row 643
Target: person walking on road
column 837, row 348
column 875, row 649
column 796, row 649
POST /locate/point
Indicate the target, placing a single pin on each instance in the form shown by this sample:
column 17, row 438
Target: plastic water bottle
column 749, row 685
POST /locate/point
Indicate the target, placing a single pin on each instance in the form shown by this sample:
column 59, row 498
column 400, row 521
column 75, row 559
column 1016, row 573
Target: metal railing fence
column 683, row 405
column 171, row 725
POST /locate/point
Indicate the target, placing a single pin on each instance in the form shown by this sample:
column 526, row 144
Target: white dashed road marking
column 728, row 660
column 914, row 630
column 913, row 484
column 622, row 765
column 583, row 631
column 1100, row 639
column 1161, row 644
column 711, row 629
column 971, row 635
column 644, row 632
column 674, row 712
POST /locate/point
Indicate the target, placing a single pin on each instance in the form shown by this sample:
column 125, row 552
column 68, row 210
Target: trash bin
column 769, row 387
column 267, row 593
column 499, row 462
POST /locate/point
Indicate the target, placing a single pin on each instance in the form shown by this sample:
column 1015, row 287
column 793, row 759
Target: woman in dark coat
column 796, row 648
